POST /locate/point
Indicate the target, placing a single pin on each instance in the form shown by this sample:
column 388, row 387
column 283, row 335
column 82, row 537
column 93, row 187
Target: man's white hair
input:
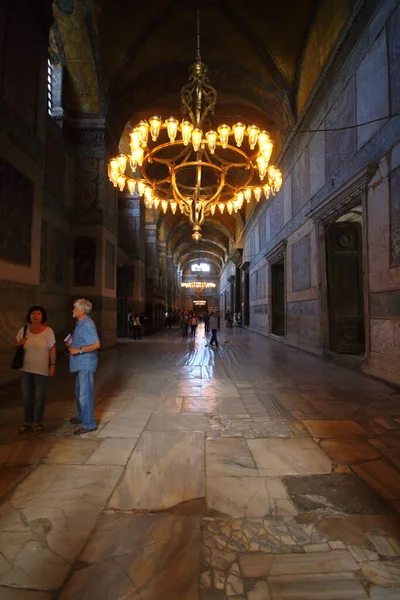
column 84, row 305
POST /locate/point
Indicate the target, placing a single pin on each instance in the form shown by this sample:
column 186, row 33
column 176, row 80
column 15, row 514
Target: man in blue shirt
column 82, row 349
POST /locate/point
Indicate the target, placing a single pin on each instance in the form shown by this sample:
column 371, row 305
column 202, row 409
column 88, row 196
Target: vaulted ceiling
column 128, row 59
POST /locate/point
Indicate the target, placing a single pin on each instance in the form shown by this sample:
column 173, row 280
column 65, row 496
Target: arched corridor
column 222, row 164
column 249, row 471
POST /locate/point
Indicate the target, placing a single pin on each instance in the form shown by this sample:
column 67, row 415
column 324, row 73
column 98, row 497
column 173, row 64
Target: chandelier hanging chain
column 196, row 171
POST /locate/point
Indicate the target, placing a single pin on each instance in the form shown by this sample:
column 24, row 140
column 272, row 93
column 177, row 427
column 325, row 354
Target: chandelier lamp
column 198, row 285
column 185, row 165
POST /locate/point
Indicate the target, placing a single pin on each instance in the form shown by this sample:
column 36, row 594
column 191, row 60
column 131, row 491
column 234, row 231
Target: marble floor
column 248, row 472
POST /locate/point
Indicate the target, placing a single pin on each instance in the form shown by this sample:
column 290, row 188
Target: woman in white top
column 39, row 363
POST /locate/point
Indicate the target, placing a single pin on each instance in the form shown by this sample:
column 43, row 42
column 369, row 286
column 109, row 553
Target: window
column 49, row 87
column 200, row 268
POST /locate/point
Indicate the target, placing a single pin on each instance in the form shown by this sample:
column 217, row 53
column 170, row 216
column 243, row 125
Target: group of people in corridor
column 36, row 345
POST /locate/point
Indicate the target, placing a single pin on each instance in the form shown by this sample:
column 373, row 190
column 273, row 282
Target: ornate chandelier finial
column 181, row 166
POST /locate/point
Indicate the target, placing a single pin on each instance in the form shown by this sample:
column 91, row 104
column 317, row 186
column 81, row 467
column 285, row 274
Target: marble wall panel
column 372, row 90
column 301, row 181
column 379, row 221
column 16, row 215
column 110, row 265
column 340, row 145
column 43, row 251
column 22, row 57
column 287, row 199
column 395, row 218
column 85, row 261
column 276, row 215
column 301, row 276
column 303, row 320
column 394, row 59
column 55, row 161
column 86, row 183
column 317, row 162
column 385, row 304
column 263, row 231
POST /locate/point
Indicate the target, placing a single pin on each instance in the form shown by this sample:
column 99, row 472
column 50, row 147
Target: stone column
column 154, row 298
column 94, row 226
column 131, row 238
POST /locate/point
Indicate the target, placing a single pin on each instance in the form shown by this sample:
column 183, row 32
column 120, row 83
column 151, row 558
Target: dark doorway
column 278, row 298
column 246, row 298
column 345, row 287
column 122, row 309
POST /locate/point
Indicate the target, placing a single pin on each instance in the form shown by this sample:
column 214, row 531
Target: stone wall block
column 340, row 145
column 372, row 90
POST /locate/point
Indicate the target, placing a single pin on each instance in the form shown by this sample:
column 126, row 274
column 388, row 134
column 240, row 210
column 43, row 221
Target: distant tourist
column 82, row 347
column 136, row 328
column 214, row 329
column 130, row 324
column 193, row 324
column 39, row 362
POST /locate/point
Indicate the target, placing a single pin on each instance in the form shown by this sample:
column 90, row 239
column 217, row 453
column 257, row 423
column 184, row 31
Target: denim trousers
column 84, row 393
column 214, row 337
column 34, row 393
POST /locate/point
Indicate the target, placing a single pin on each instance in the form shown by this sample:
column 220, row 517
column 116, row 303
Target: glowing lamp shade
column 197, row 136
column 252, row 132
column 172, row 128
column 247, row 194
column 121, row 183
column 257, row 193
column 211, row 137
column 136, row 140
column 221, row 207
column 186, row 130
column 155, row 126
column 224, row 131
column 143, row 128
column 164, row 206
column 131, row 186
column 262, row 166
column 141, row 186
column 239, row 130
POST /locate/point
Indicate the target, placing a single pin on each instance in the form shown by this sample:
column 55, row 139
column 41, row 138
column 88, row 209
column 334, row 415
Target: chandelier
column 187, row 166
column 199, row 285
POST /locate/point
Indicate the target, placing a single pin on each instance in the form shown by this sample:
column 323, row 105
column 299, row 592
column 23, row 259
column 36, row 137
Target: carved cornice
column 245, row 266
column 277, row 253
column 344, row 198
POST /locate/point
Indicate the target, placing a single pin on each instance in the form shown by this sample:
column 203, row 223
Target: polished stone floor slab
column 229, row 457
column 121, row 426
column 202, row 482
column 335, row 429
column 165, row 470
column 181, row 422
column 248, row 497
column 58, row 505
column 112, row 451
column 275, row 456
column 139, row 557
column 342, row 492
column 331, row 586
column 349, row 452
column 213, row 404
column 338, row 561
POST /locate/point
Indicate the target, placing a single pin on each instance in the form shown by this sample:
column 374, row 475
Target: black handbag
column 18, row 360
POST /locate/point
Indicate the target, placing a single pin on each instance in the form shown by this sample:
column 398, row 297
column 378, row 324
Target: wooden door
column 345, row 288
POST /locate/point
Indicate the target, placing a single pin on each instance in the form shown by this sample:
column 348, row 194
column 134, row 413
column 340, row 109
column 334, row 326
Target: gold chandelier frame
column 197, row 171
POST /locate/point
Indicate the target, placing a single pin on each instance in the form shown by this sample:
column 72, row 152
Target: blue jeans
column 84, row 392
column 34, row 393
column 214, row 337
